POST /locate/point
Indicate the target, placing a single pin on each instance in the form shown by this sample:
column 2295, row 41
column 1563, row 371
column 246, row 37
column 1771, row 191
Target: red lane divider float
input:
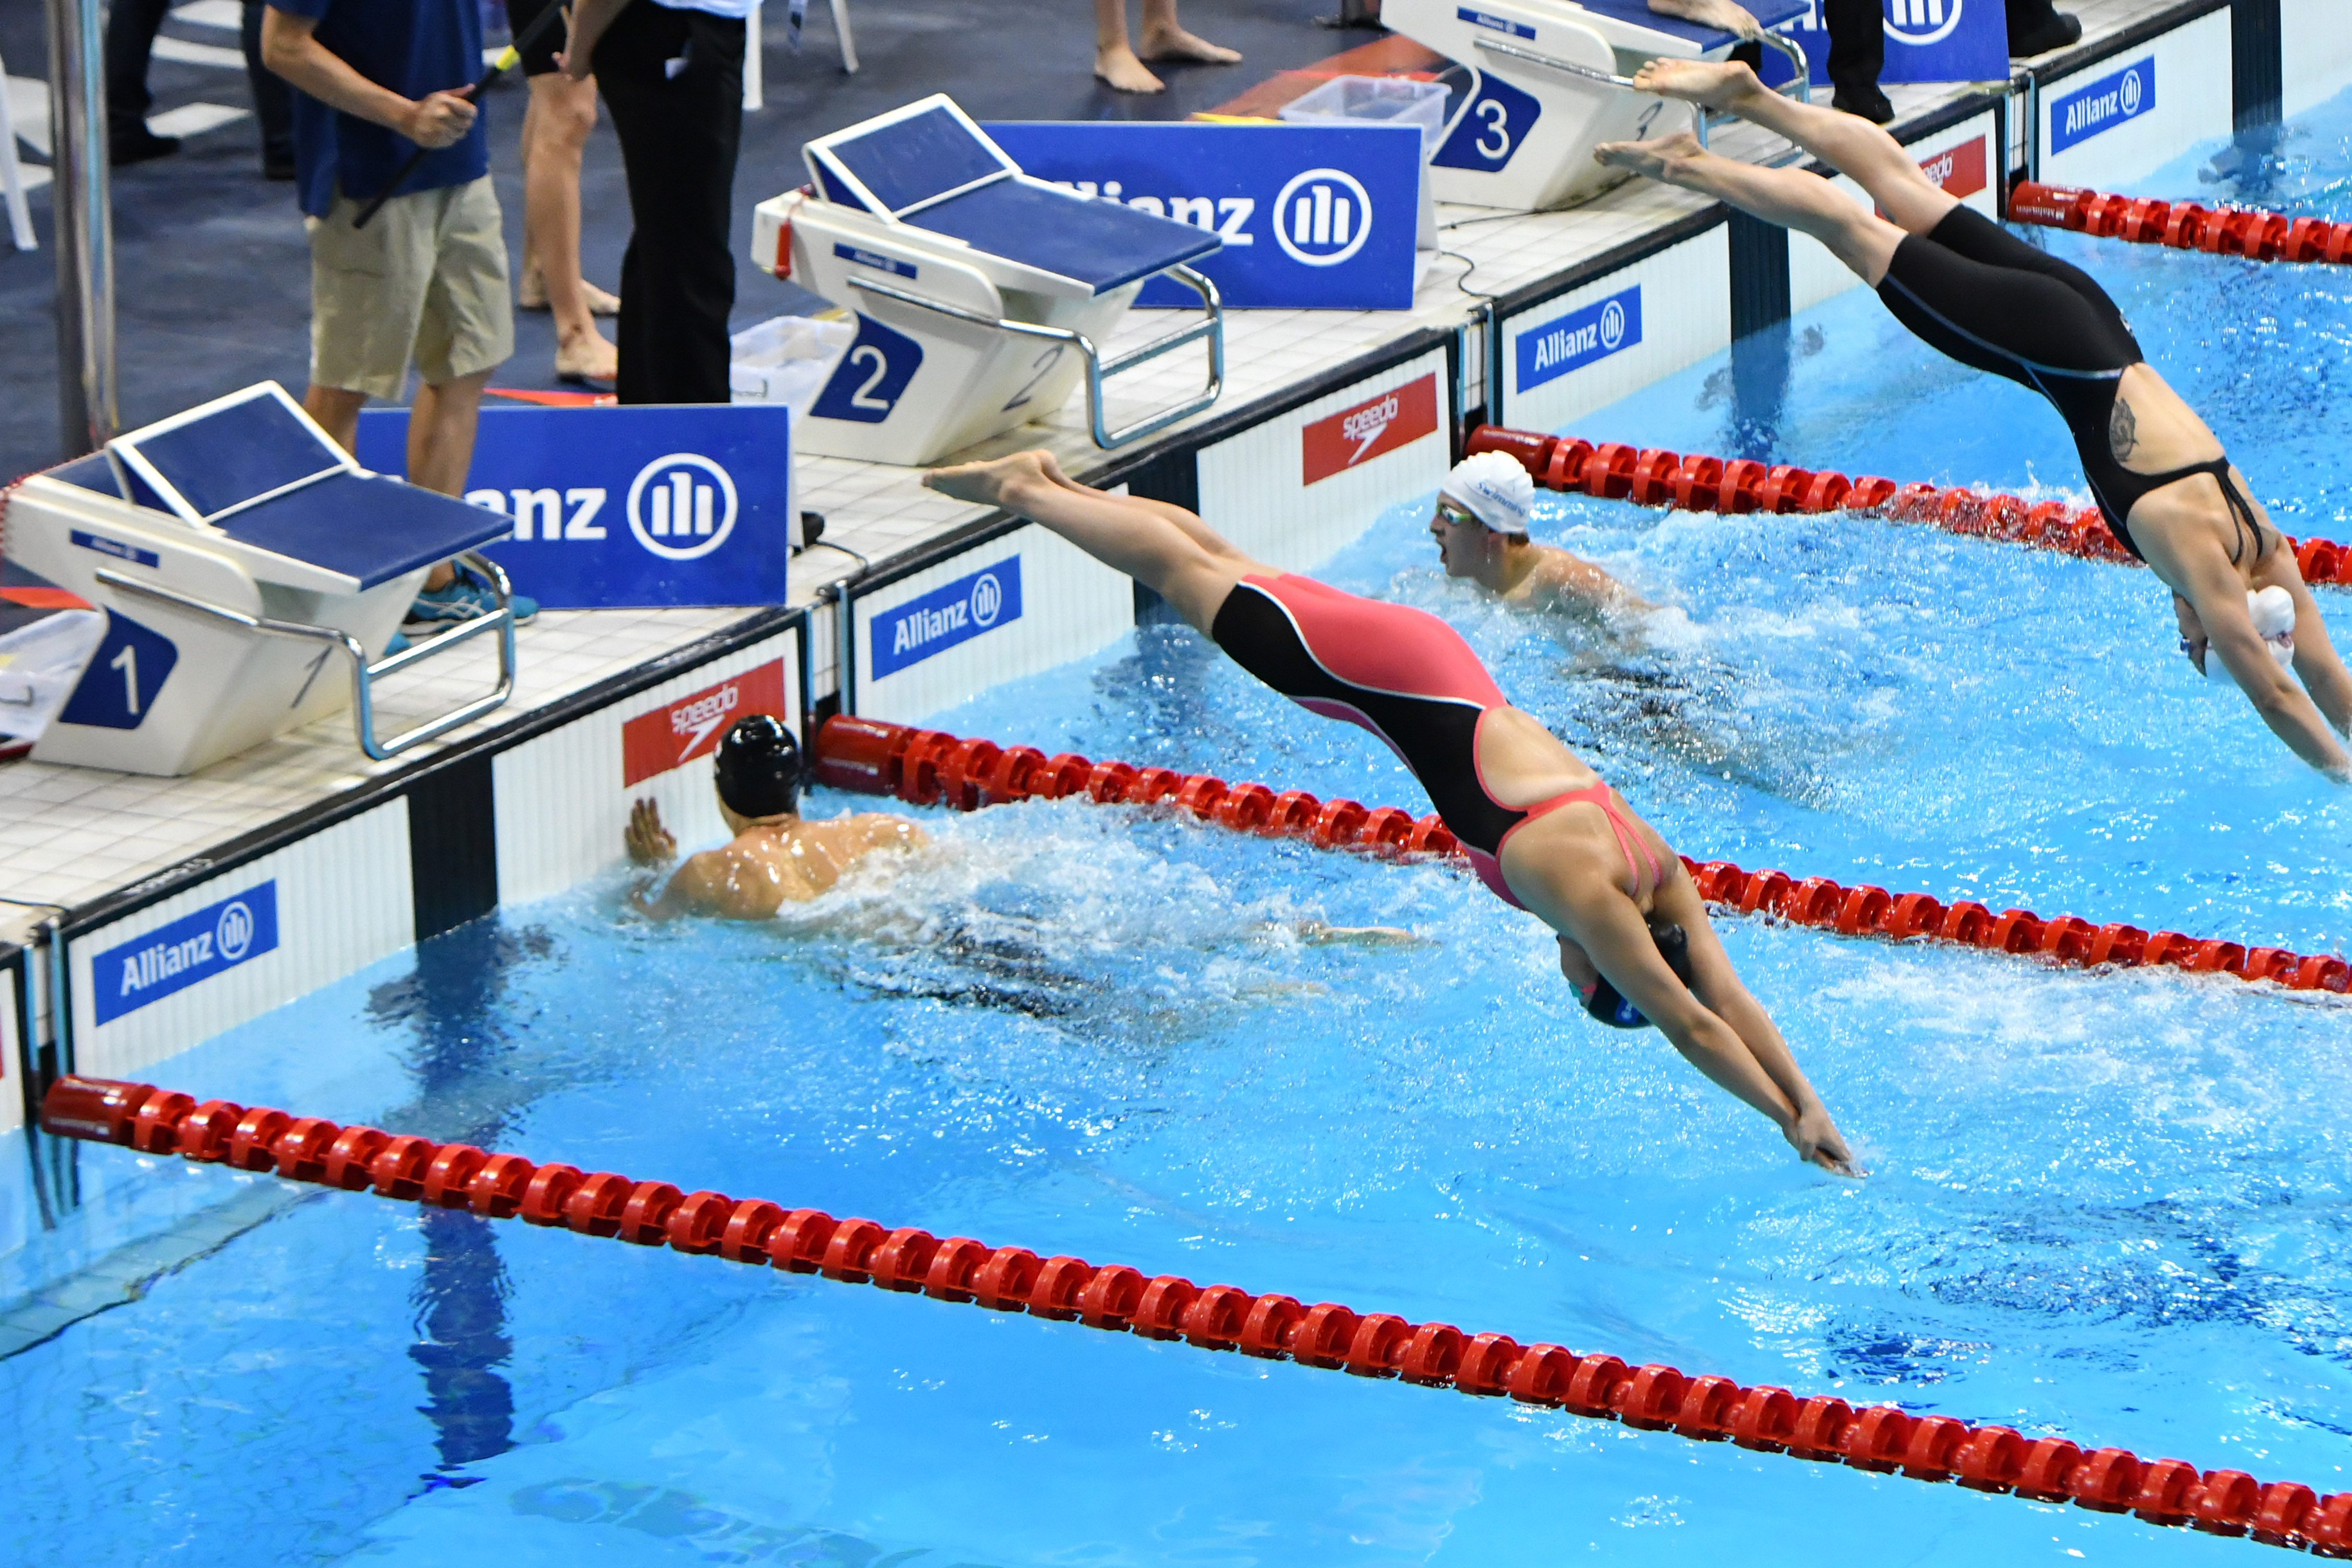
column 2249, row 232
column 931, row 767
column 1693, row 482
column 1119, row 1298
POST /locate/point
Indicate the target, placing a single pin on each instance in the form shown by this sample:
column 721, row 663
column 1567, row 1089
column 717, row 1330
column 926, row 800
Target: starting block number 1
column 119, row 688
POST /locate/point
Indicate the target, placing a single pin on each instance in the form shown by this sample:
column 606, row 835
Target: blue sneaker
column 464, row 597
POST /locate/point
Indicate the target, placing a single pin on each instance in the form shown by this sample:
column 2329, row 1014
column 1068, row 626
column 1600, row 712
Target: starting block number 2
column 866, row 386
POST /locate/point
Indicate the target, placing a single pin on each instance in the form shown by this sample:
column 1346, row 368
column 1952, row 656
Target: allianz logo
column 1565, row 343
column 680, row 506
column 2120, row 102
column 227, row 942
column 1321, row 218
column 1227, row 217
column 975, row 612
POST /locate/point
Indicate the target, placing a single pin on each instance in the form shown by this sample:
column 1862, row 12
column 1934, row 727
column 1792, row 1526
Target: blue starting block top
column 1637, row 14
column 927, row 167
column 254, row 469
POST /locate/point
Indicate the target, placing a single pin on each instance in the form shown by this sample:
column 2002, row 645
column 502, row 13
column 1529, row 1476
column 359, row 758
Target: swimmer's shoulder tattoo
column 2123, row 430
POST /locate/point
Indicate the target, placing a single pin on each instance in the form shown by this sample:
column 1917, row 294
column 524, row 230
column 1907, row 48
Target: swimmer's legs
column 1847, row 142
column 1163, row 547
column 1789, row 197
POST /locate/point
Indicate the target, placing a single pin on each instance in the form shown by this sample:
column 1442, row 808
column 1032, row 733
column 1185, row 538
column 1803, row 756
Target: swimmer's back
column 767, row 867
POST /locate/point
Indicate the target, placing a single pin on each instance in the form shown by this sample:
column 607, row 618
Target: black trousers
column 131, row 27
column 273, row 100
column 678, row 136
column 1857, row 45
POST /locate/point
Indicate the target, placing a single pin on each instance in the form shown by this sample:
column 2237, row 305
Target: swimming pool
column 2105, row 1204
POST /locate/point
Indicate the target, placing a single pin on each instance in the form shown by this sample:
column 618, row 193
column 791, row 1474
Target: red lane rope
column 931, row 767
column 1117, row 1297
column 1650, row 475
column 2250, row 232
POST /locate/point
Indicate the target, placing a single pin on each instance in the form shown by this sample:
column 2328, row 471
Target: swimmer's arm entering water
column 1717, row 1026
column 2210, row 601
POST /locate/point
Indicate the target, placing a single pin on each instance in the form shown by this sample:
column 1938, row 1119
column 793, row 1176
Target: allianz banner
column 1927, row 40
column 617, row 506
column 1317, row 217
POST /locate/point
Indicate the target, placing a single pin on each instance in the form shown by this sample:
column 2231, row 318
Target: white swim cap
column 2272, row 612
column 1493, row 488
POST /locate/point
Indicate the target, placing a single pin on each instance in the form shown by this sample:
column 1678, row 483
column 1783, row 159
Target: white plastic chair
column 11, row 176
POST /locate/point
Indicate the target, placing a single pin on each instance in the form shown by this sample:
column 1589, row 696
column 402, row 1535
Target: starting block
column 1551, row 79
column 982, row 294
column 237, row 551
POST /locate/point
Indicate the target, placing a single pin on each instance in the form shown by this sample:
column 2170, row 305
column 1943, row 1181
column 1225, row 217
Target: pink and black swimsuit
column 1410, row 678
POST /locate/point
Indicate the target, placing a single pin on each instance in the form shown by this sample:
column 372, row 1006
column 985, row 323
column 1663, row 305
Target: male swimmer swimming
column 1542, row 829
column 1980, row 295
column 1481, row 527
column 775, row 856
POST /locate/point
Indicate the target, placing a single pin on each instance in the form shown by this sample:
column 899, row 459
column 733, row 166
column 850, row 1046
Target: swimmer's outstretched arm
column 1714, row 1023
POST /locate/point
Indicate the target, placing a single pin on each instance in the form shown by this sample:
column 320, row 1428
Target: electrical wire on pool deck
column 1650, row 475
column 931, row 767
column 1119, row 1298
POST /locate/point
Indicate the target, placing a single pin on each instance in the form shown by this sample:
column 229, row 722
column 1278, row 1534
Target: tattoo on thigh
column 2123, row 430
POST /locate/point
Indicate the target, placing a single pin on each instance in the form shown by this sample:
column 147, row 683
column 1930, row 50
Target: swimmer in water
column 1978, row 293
column 775, row 858
column 1543, row 830
column 1481, row 529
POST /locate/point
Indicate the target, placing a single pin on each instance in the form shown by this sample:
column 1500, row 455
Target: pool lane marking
column 1118, row 1298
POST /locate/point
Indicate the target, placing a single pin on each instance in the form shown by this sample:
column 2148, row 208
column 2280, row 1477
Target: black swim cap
column 1603, row 1001
column 759, row 768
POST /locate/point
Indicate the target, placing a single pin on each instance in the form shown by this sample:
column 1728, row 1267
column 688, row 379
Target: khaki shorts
column 425, row 281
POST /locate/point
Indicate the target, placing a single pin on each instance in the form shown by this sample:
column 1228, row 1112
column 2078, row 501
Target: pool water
column 2107, row 1205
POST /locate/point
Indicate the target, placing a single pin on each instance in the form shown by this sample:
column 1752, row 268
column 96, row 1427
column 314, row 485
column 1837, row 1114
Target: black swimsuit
column 1977, row 292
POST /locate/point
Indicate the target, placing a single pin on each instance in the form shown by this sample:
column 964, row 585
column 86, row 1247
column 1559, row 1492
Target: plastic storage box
column 1383, row 100
column 787, row 359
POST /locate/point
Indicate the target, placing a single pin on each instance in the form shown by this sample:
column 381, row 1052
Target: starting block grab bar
column 363, row 673
column 1098, row 371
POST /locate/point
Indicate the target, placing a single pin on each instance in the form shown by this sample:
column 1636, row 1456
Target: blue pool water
column 2113, row 1206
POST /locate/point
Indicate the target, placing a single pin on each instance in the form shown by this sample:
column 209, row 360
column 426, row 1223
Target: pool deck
column 72, row 836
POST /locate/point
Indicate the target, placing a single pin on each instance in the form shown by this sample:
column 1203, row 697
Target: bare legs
column 554, row 132
column 1163, row 547
column 1164, row 38
column 1790, row 197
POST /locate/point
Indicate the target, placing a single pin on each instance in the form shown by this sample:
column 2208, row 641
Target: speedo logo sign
column 2104, row 105
column 914, row 631
column 679, row 732
column 194, row 948
column 1957, row 171
column 1353, row 437
column 1570, row 342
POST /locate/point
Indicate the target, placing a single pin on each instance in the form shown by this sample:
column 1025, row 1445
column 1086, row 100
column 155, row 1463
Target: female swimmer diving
column 1543, row 830
column 1978, row 293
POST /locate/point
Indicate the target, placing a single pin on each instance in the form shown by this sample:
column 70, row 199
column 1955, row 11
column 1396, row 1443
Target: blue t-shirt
column 413, row 48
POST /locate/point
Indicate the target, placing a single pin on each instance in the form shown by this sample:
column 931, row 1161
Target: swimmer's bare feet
column 1173, row 43
column 1665, row 159
column 987, row 483
column 1722, row 87
column 1118, row 67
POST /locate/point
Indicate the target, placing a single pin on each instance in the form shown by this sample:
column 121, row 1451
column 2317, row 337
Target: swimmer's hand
column 650, row 844
column 1818, row 1142
column 1322, row 934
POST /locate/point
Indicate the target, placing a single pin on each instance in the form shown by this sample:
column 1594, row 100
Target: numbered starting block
column 982, row 294
column 1548, row 80
column 238, row 554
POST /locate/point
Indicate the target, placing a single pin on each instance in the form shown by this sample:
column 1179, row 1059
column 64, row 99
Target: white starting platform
column 238, row 552
column 981, row 295
column 1551, row 79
